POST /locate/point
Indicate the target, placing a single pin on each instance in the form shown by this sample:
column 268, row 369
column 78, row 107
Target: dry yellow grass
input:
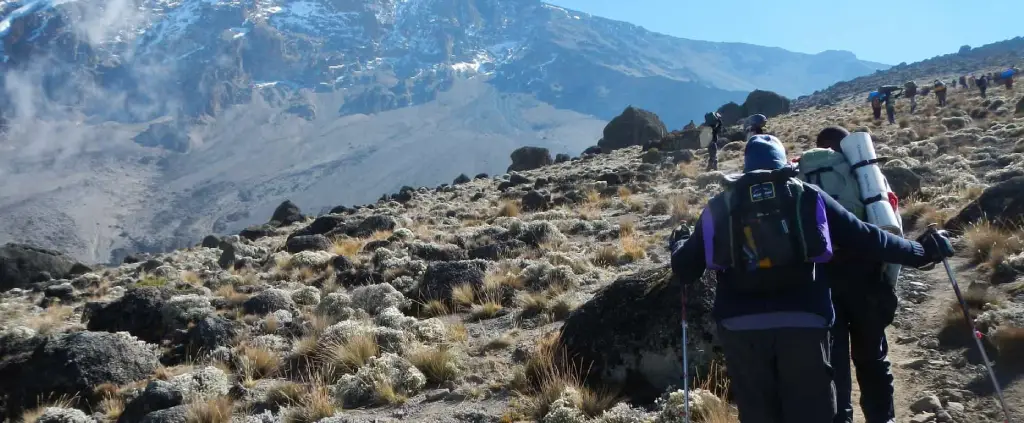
column 623, row 193
column 348, row 247
column 315, row 403
column 434, row 308
column 627, row 227
column 50, row 320
column 463, row 295
column 217, row 410
column 457, row 331
column 31, row 415
column 486, row 309
column 1009, row 342
column 349, row 355
column 547, row 374
column 988, row 243
column 633, row 248
column 605, row 256
column 191, row 278
column 111, row 406
column 386, row 394
column 508, row 208
column 234, row 298
column 682, row 210
column 439, row 364
column 688, row 170
column 254, row 363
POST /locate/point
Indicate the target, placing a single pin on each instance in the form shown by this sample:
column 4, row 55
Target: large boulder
column 73, row 364
column 440, row 277
column 681, row 140
column 629, row 333
column 1002, row 204
column 529, row 158
column 139, row 312
column 904, row 182
column 766, row 103
column 633, row 127
column 302, row 243
column 731, row 113
column 286, row 214
column 21, row 265
column 158, row 395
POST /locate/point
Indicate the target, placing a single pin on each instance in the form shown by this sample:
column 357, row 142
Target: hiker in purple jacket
column 765, row 237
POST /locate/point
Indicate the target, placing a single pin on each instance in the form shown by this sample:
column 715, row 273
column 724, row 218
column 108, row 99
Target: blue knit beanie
column 763, row 152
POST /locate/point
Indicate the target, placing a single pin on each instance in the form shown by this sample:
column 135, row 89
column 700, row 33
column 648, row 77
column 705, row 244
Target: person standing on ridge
column 863, row 300
column 1008, row 77
column 713, row 120
column 963, row 81
column 772, row 308
column 910, row 90
column 982, row 84
column 876, row 104
column 940, row 92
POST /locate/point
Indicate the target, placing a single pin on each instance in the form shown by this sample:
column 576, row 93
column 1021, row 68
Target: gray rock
column 69, row 364
column 21, row 265
column 928, row 403
column 158, row 395
column 437, row 394
column 529, row 158
column 922, row 418
column 268, row 301
column 176, row 414
column 63, row 415
column 441, row 277
column 630, row 331
column 210, row 333
column 287, row 213
column 307, row 243
column 955, row 407
column 139, row 312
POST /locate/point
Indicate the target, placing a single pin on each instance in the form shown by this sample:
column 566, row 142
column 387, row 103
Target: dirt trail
column 920, row 365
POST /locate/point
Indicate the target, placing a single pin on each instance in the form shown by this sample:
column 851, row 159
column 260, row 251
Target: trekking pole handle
column 932, row 228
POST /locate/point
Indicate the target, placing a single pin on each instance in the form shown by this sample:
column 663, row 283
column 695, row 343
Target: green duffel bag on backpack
column 829, row 170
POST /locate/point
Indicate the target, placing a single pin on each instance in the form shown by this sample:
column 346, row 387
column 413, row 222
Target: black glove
column 936, row 245
column 681, row 233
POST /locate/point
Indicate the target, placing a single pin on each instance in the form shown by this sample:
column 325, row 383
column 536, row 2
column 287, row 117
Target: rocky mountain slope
column 123, row 115
column 539, row 295
column 993, row 57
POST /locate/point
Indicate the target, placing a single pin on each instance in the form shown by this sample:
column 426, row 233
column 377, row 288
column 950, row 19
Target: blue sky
column 887, row 31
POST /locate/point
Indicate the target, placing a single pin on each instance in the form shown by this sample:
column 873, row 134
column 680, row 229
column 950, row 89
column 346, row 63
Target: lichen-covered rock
column 630, row 331
column 565, row 409
column 286, row 214
column 268, row 301
column 176, row 414
column 904, row 182
column 430, row 330
column 210, row 333
column 69, row 364
column 388, row 369
column 375, row 298
column 204, row 383
column 181, row 310
column 437, row 252
column 673, row 406
column 393, row 318
column 306, row 296
column 337, row 305
column 63, row 415
column 298, row 244
column 311, row 259
column 21, row 265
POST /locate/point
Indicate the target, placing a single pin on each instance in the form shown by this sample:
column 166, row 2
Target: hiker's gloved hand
column 679, row 234
column 936, row 245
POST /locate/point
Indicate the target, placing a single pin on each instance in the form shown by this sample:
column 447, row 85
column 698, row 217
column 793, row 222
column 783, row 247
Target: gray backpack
column 829, row 170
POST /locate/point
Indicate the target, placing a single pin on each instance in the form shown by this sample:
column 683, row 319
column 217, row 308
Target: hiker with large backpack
column 863, row 299
column 875, row 98
column 714, row 121
column 889, row 94
column 940, row 92
column 910, row 90
column 755, row 125
column 982, row 84
column 764, row 236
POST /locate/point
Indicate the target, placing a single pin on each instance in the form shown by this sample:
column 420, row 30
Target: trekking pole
column 974, row 332
column 686, row 373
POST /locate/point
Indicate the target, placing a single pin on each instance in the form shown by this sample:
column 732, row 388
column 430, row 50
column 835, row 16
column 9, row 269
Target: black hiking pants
column 941, row 96
column 780, row 375
column 863, row 310
column 982, row 89
column 713, row 153
column 890, row 112
column 878, row 112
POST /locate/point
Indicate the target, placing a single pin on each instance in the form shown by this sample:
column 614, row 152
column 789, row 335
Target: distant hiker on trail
column 982, row 84
column 876, row 104
column 889, row 94
column 773, row 310
column 755, row 125
column 940, row 92
column 864, row 302
column 972, row 81
column 713, row 120
column 1007, row 77
column 910, row 90
column 963, row 81
column 953, row 83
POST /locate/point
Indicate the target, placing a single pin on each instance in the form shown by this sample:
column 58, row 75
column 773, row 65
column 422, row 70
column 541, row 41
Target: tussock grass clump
column 150, row 280
column 989, row 244
column 508, row 208
column 308, row 403
column 438, row 364
column 633, row 248
column 624, row 193
column 233, row 298
column 434, row 308
column 660, row 207
column 486, row 309
column 605, row 256
column 463, row 295
column 64, row 401
column 547, row 375
column 349, row 355
column 688, row 170
column 254, row 363
column 50, row 320
column 683, row 211
column 954, row 330
column 1009, row 342
column 217, row 410
column 285, row 394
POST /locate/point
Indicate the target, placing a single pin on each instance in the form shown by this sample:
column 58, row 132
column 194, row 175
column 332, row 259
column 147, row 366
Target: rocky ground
column 539, row 295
